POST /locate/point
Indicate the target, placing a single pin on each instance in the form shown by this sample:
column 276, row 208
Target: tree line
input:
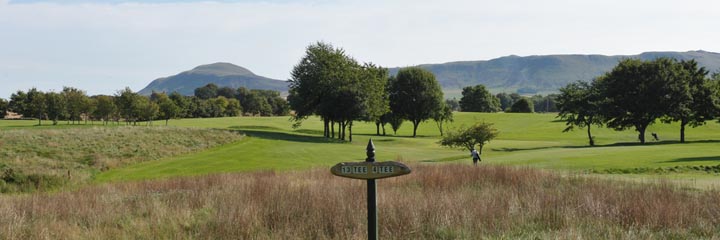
column 478, row 99
column 636, row 93
column 75, row 106
column 332, row 85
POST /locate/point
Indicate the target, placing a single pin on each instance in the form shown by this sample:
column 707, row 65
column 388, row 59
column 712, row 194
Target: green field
column 525, row 139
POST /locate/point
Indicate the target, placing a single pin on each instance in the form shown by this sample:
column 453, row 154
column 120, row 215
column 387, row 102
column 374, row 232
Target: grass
column 525, row 139
column 448, row 201
column 75, row 155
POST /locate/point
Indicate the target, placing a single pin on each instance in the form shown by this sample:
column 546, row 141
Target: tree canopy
column 415, row 95
column 579, row 105
column 467, row 138
column 478, row 99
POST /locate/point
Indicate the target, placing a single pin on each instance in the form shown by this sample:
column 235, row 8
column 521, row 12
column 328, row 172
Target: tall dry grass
column 73, row 155
column 434, row 202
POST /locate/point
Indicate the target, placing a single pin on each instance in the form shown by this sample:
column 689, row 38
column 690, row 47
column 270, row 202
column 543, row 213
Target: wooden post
column 371, row 196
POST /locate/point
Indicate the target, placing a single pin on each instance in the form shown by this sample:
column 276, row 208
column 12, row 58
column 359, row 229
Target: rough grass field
column 448, row 201
column 33, row 158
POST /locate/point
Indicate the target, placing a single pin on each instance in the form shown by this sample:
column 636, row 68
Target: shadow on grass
column 287, row 136
column 446, row 159
column 620, row 144
column 254, row 127
column 309, row 131
column 695, row 159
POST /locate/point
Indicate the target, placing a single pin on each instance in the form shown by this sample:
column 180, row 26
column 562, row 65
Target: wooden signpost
column 370, row 170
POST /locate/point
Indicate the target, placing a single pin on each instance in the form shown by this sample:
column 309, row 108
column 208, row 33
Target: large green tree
column 207, row 92
column 415, row 95
column 128, row 103
column 444, row 115
column 694, row 99
column 328, row 83
column 639, row 92
column 579, row 105
column 478, row 99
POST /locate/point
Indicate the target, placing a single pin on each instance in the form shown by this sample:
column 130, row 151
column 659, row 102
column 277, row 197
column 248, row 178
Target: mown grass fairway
column 525, row 139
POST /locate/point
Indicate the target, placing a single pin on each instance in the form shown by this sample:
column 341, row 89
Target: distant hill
column 221, row 74
column 546, row 73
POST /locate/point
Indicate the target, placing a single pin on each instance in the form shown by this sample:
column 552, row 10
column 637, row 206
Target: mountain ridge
column 544, row 73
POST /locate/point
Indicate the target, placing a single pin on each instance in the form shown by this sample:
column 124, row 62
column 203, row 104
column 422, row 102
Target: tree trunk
column 415, row 126
column 350, row 129
column 383, row 128
column 682, row 130
column 590, row 138
column 166, row 121
column 326, row 128
column 332, row 129
column 377, row 128
column 641, row 134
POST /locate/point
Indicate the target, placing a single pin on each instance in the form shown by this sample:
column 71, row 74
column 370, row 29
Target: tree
column 466, row 138
column 322, row 76
column 36, row 105
column 579, row 104
column 127, row 102
column 145, row 109
column 639, row 92
column 18, row 102
column 76, row 102
column 105, row 108
column 207, row 92
column 523, row 105
column 415, row 95
column 233, row 108
column 544, row 103
column 478, row 99
column 454, row 104
column 183, row 104
column 3, row 107
column 395, row 122
column 56, row 106
column 167, row 107
column 256, row 104
column 217, row 106
column 227, row 92
column 444, row 115
column 695, row 100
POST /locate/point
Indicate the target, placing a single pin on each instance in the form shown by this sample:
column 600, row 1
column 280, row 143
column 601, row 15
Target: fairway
column 534, row 140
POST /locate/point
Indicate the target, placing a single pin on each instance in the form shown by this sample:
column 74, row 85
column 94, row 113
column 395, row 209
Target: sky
column 105, row 46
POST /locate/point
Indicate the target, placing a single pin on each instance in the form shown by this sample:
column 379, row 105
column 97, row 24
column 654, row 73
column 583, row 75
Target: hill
column 221, row 74
column 545, row 73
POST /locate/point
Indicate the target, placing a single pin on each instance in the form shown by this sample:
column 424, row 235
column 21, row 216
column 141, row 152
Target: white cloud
column 104, row 47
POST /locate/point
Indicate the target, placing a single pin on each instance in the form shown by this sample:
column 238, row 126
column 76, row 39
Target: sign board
column 370, row 170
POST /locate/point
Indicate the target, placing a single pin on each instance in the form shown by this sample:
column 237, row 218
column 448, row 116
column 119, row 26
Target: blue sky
column 104, row 46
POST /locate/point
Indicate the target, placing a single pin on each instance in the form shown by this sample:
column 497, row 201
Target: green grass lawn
column 525, row 139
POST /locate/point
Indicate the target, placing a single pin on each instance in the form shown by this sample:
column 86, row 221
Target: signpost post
column 370, row 170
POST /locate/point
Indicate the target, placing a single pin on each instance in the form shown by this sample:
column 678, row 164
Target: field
column 274, row 183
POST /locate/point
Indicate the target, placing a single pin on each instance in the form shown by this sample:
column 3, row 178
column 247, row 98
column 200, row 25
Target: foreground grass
column 76, row 154
column 447, row 201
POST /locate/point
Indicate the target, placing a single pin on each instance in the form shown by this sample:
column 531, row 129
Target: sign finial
column 370, row 151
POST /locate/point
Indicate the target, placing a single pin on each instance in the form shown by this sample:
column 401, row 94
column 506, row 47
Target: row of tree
column 330, row 84
column 479, row 99
column 75, row 105
column 636, row 93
